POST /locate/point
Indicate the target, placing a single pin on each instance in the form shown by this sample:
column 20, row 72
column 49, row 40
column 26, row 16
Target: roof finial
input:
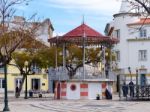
column 83, row 19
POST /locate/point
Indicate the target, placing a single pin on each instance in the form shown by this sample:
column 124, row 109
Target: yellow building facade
column 34, row 82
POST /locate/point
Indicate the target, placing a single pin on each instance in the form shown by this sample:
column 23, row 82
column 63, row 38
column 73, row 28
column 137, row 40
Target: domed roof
column 81, row 32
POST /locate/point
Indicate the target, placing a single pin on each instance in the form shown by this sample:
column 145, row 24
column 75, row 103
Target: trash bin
column 98, row 97
column 30, row 93
column 40, row 95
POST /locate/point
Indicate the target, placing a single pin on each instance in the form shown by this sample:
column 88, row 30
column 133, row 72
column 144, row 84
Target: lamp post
column 129, row 69
column 136, row 77
column 106, row 66
column 26, row 89
column 137, row 92
column 6, row 108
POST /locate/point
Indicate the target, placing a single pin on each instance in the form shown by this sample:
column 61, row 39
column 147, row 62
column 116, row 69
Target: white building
column 133, row 49
column 44, row 29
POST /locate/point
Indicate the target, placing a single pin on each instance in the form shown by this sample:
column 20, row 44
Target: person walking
column 125, row 89
column 17, row 92
column 131, row 87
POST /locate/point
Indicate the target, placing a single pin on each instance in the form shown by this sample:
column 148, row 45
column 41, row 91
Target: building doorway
column 18, row 82
column 118, row 83
column 143, row 80
column 2, row 85
column 35, row 84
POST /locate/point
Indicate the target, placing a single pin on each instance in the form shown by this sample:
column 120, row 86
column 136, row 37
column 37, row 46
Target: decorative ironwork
column 136, row 92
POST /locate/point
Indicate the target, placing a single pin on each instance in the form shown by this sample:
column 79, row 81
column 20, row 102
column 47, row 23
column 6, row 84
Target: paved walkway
column 51, row 105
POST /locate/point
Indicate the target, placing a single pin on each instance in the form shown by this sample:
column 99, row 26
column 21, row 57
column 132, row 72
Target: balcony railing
column 135, row 92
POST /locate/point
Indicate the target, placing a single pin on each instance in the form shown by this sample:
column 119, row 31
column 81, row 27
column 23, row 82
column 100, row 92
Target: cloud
column 103, row 6
column 97, row 12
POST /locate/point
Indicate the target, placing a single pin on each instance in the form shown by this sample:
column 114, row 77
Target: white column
column 104, row 61
column 84, row 36
column 64, row 58
column 110, row 59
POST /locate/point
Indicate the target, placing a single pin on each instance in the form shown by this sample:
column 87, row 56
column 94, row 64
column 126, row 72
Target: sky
column 68, row 14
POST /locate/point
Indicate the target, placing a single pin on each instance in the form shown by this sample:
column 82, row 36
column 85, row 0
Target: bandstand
column 84, row 87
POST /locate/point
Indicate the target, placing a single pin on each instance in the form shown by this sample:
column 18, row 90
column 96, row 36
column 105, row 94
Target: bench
column 37, row 93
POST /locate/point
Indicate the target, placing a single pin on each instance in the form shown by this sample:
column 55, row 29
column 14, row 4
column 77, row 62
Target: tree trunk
column 71, row 73
column 21, row 85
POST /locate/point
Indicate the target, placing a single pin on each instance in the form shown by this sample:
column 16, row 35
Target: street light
column 137, row 92
column 129, row 69
column 6, row 108
column 26, row 65
column 136, row 76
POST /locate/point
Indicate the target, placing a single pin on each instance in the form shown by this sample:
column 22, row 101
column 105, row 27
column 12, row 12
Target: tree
column 20, row 58
column 30, row 53
column 43, row 57
column 74, row 58
column 12, row 33
column 93, row 56
column 140, row 8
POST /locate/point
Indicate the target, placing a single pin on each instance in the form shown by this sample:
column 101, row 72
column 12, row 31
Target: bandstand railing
column 61, row 75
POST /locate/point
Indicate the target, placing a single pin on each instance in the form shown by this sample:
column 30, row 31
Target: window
column 2, row 70
column 2, row 83
column 117, row 55
column 142, row 55
column 35, row 69
column 18, row 82
column 117, row 34
column 143, row 33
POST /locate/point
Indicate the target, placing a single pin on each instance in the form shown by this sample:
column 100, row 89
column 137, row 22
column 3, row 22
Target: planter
column 98, row 97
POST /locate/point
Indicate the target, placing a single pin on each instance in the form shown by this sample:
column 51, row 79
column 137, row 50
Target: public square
column 48, row 104
column 74, row 55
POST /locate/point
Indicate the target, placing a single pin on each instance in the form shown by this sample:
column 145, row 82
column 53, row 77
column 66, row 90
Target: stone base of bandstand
column 82, row 89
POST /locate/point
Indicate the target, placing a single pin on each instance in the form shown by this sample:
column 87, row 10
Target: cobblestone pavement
column 51, row 105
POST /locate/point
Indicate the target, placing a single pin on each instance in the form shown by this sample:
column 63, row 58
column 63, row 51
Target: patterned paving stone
column 51, row 105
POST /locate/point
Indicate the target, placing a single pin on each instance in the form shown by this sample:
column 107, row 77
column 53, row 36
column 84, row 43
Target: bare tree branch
column 12, row 34
column 140, row 6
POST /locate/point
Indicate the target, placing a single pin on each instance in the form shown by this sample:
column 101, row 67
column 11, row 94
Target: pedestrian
column 125, row 89
column 131, row 87
column 108, row 94
column 17, row 92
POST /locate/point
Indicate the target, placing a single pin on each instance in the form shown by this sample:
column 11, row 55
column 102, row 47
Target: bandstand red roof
column 81, row 32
